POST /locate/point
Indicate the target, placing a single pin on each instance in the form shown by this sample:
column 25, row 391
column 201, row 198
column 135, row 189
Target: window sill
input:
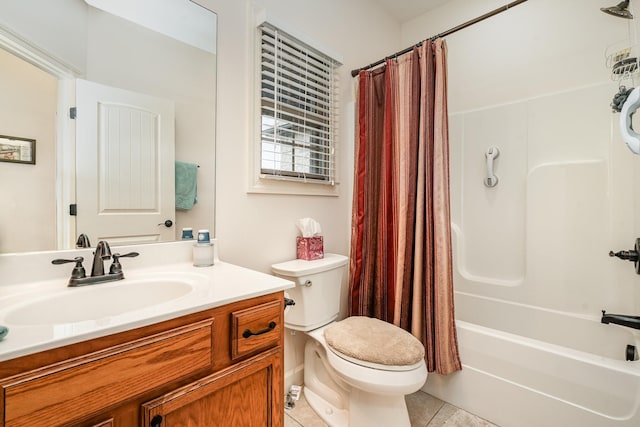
column 274, row 186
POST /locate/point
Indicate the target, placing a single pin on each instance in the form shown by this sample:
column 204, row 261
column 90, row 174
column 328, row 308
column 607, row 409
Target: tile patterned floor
column 424, row 411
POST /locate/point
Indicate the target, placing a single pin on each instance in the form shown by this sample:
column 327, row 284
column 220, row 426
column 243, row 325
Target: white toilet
column 356, row 371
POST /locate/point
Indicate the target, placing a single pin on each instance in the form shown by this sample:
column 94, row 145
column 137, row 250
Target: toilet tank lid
column 301, row 267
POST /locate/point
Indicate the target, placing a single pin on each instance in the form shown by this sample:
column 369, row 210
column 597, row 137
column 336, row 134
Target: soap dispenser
column 203, row 250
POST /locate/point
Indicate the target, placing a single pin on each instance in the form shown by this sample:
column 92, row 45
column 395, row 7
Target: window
column 298, row 104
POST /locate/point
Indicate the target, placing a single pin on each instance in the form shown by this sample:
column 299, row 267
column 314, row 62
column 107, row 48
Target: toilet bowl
column 370, row 394
column 347, row 389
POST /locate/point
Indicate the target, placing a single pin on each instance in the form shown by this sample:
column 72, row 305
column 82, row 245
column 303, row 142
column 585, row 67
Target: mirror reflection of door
column 125, row 165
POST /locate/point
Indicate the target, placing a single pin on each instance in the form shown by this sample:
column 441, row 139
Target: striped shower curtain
column 400, row 263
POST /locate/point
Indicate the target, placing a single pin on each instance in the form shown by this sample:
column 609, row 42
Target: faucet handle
column 632, row 255
column 116, row 267
column 127, row 255
column 78, row 271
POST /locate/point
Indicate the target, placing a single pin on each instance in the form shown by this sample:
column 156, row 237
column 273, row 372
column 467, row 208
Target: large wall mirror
column 141, row 76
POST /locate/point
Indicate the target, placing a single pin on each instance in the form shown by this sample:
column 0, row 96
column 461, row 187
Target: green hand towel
column 186, row 188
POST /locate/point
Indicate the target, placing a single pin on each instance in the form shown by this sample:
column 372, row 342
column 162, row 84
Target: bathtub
column 527, row 366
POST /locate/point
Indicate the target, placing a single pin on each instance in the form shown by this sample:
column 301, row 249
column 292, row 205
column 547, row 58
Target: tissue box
column 310, row 248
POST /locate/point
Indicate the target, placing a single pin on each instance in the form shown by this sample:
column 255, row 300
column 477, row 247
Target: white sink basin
column 97, row 301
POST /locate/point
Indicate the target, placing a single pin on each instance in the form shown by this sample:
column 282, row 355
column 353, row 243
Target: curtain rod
column 443, row 34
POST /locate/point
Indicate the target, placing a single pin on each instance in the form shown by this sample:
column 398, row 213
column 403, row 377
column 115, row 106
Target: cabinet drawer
column 75, row 389
column 255, row 328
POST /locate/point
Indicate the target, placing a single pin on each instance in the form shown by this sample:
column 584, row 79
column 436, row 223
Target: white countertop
column 209, row 287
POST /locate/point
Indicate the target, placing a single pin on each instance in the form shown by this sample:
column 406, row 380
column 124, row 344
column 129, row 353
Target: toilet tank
column 317, row 291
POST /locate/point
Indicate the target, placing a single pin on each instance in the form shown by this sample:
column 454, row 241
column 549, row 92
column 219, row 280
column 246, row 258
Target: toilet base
column 379, row 411
column 375, row 410
column 331, row 415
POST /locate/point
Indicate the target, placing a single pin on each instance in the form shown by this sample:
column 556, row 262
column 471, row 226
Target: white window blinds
column 299, row 95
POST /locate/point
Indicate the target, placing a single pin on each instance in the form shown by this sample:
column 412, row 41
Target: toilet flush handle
column 307, row 284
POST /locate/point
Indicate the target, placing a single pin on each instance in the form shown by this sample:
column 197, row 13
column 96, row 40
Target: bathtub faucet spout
column 621, row 319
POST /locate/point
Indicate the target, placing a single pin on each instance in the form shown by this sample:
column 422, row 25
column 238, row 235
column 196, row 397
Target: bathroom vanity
column 210, row 357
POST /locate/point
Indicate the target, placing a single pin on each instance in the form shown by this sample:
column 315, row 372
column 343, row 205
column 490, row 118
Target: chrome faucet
column 103, row 252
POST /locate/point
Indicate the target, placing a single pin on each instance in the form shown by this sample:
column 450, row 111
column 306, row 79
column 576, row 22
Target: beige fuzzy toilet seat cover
column 375, row 341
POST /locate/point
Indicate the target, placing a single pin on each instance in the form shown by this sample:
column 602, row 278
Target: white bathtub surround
column 531, row 265
column 30, row 279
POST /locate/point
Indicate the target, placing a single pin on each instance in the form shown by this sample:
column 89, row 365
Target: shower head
column 620, row 10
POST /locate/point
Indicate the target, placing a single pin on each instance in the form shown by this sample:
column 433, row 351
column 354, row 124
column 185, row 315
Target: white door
column 124, row 165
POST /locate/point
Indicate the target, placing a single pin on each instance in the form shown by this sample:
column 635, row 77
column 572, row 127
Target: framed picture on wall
column 17, row 150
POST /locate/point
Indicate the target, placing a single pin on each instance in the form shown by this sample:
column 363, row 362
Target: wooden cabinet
column 217, row 367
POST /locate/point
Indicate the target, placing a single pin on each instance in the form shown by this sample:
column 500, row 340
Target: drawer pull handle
column 247, row 333
column 156, row 421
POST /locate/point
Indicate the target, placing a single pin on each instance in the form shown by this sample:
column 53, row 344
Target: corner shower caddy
column 623, row 60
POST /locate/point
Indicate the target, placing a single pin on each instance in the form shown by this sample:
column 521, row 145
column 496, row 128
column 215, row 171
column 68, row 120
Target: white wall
column 257, row 230
column 533, row 81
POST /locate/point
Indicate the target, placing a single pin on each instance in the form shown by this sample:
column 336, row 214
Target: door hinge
column 73, row 209
column 73, row 111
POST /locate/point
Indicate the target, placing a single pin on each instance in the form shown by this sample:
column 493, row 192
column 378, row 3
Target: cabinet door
column 247, row 394
column 79, row 388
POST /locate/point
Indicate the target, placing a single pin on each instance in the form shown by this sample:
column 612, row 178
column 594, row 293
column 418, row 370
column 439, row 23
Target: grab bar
column 491, row 155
